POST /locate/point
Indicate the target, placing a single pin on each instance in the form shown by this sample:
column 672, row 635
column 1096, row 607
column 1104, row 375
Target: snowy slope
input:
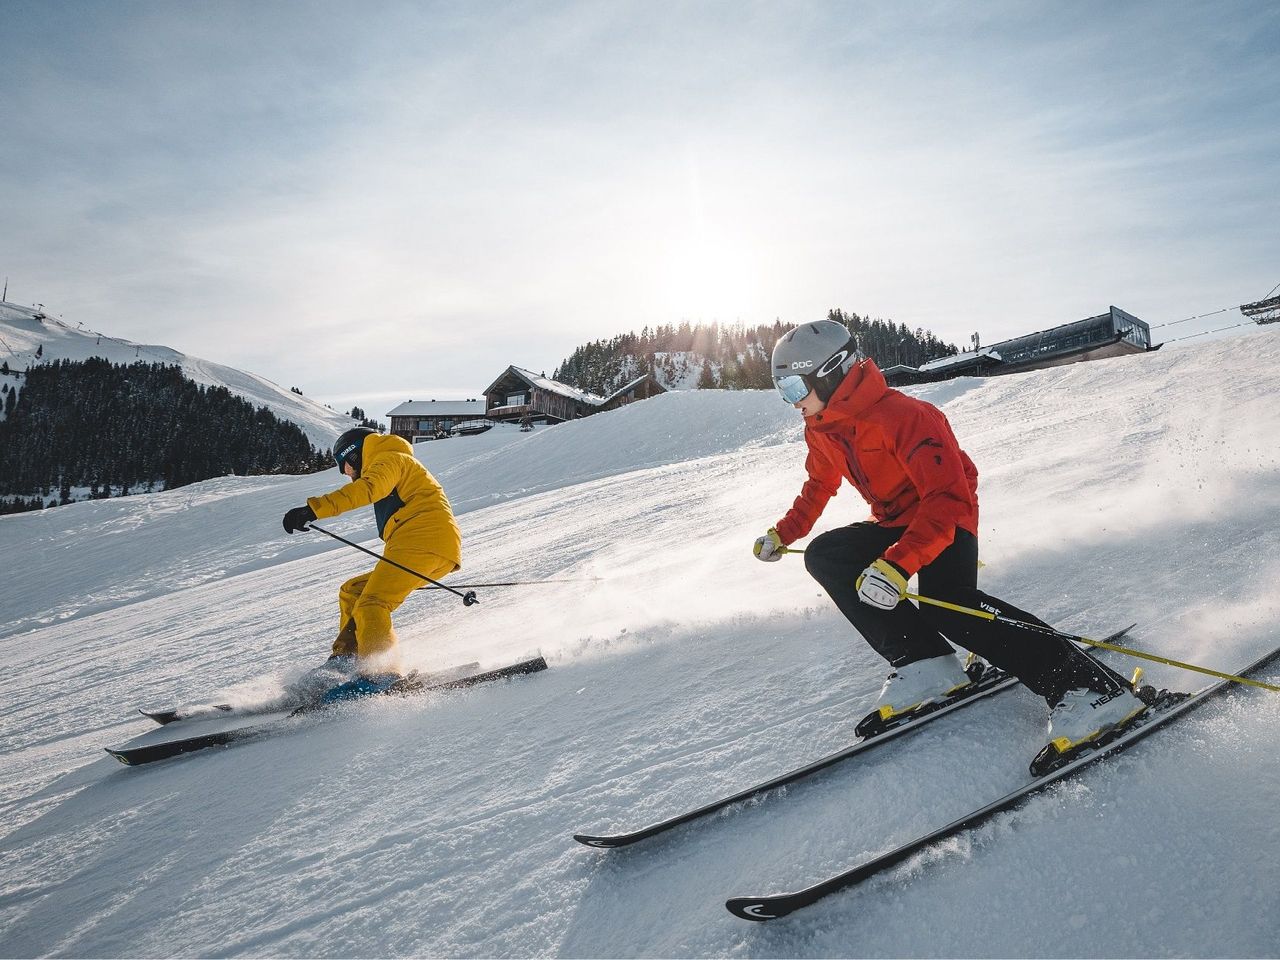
column 1142, row 489
column 23, row 331
column 680, row 369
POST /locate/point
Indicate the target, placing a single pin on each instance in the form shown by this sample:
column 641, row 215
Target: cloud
column 420, row 194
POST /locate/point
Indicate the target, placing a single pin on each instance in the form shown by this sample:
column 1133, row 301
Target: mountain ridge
column 29, row 335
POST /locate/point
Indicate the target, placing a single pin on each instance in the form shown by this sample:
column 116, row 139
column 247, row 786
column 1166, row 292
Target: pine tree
column 742, row 353
column 707, row 379
column 96, row 424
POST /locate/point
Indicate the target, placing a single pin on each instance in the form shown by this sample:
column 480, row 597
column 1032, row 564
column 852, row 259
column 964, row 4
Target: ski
column 167, row 715
column 267, row 723
column 1165, row 709
column 991, row 681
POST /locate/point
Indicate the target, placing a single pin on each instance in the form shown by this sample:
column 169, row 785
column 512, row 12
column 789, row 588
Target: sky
column 386, row 201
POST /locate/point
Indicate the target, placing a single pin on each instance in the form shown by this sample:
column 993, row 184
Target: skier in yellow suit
column 415, row 521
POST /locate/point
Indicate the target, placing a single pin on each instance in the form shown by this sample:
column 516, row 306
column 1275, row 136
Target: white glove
column 882, row 585
column 769, row 547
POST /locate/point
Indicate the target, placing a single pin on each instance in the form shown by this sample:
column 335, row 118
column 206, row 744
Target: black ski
column 1165, row 709
column 992, row 681
column 410, row 686
column 167, row 715
column 173, row 714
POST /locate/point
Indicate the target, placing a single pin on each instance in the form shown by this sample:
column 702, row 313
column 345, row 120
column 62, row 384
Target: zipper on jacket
column 863, row 484
column 855, row 469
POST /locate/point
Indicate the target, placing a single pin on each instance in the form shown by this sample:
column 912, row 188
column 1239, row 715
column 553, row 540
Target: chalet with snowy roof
column 1111, row 334
column 641, row 388
column 522, row 396
column 422, row 419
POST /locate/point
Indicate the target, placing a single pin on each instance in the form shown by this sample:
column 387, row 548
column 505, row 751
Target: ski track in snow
column 1136, row 489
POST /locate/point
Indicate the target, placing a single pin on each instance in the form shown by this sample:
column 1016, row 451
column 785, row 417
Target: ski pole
column 1050, row 632
column 516, row 583
column 469, row 598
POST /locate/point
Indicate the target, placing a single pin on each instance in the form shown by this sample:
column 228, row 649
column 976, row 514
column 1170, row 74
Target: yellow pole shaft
column 1128, row 652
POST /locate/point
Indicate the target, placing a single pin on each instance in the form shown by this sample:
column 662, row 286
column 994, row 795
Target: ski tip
column 159, row 716
column 752, row 908
column 119, row 755
column 174, row 714
column 601, row 842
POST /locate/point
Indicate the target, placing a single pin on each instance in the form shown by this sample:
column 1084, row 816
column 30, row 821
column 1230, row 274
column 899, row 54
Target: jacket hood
column 381, row 443
column 862, row 387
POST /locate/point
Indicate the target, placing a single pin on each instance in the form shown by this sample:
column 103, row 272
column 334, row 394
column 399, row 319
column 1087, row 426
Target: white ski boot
column 1084, row 715
column 913, row 685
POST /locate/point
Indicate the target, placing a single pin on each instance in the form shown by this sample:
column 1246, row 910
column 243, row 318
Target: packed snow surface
column 1139, row 489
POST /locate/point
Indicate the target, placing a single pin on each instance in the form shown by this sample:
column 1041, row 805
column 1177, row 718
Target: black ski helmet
column 346, row 449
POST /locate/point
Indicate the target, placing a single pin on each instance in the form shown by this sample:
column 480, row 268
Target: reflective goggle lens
column 793, row 388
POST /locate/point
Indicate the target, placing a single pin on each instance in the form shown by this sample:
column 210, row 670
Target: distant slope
column 24, row 332
column 169, row 550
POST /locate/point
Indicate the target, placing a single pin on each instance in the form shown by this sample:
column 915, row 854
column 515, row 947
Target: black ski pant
column 905, row 634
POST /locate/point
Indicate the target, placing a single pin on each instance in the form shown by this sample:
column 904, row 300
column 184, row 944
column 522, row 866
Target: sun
column 709, row 276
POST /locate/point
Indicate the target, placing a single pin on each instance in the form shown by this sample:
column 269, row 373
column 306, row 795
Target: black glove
column 298, row 518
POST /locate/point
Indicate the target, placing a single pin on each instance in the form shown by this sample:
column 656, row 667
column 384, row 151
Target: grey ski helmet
column 813, row 356
column 347, row 448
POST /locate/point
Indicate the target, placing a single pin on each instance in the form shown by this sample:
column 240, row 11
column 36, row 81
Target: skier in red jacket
column 901, row 456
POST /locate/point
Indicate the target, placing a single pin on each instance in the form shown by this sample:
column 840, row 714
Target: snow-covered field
column 1137, row 489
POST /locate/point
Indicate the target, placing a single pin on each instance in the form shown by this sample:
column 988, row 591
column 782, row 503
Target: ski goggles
column 793, row 388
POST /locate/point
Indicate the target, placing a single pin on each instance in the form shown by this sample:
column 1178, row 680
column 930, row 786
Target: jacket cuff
column 906, row 572
column 318, row 507
column 898, row 567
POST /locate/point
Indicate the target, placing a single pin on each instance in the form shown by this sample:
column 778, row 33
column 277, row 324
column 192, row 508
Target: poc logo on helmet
column 801, row 364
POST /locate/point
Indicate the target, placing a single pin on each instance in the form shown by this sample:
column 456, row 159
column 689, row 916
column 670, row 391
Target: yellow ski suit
column 417, row 524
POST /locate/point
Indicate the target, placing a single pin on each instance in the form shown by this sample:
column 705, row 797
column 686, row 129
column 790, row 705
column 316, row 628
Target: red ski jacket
column 901, row 456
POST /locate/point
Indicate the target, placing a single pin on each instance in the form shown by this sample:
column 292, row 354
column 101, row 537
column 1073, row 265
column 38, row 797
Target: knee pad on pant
column 820, row 555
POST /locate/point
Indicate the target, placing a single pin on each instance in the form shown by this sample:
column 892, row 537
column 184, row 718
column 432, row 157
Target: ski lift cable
column 1205, row 333
column 1201, row 316
column 1212, row 313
